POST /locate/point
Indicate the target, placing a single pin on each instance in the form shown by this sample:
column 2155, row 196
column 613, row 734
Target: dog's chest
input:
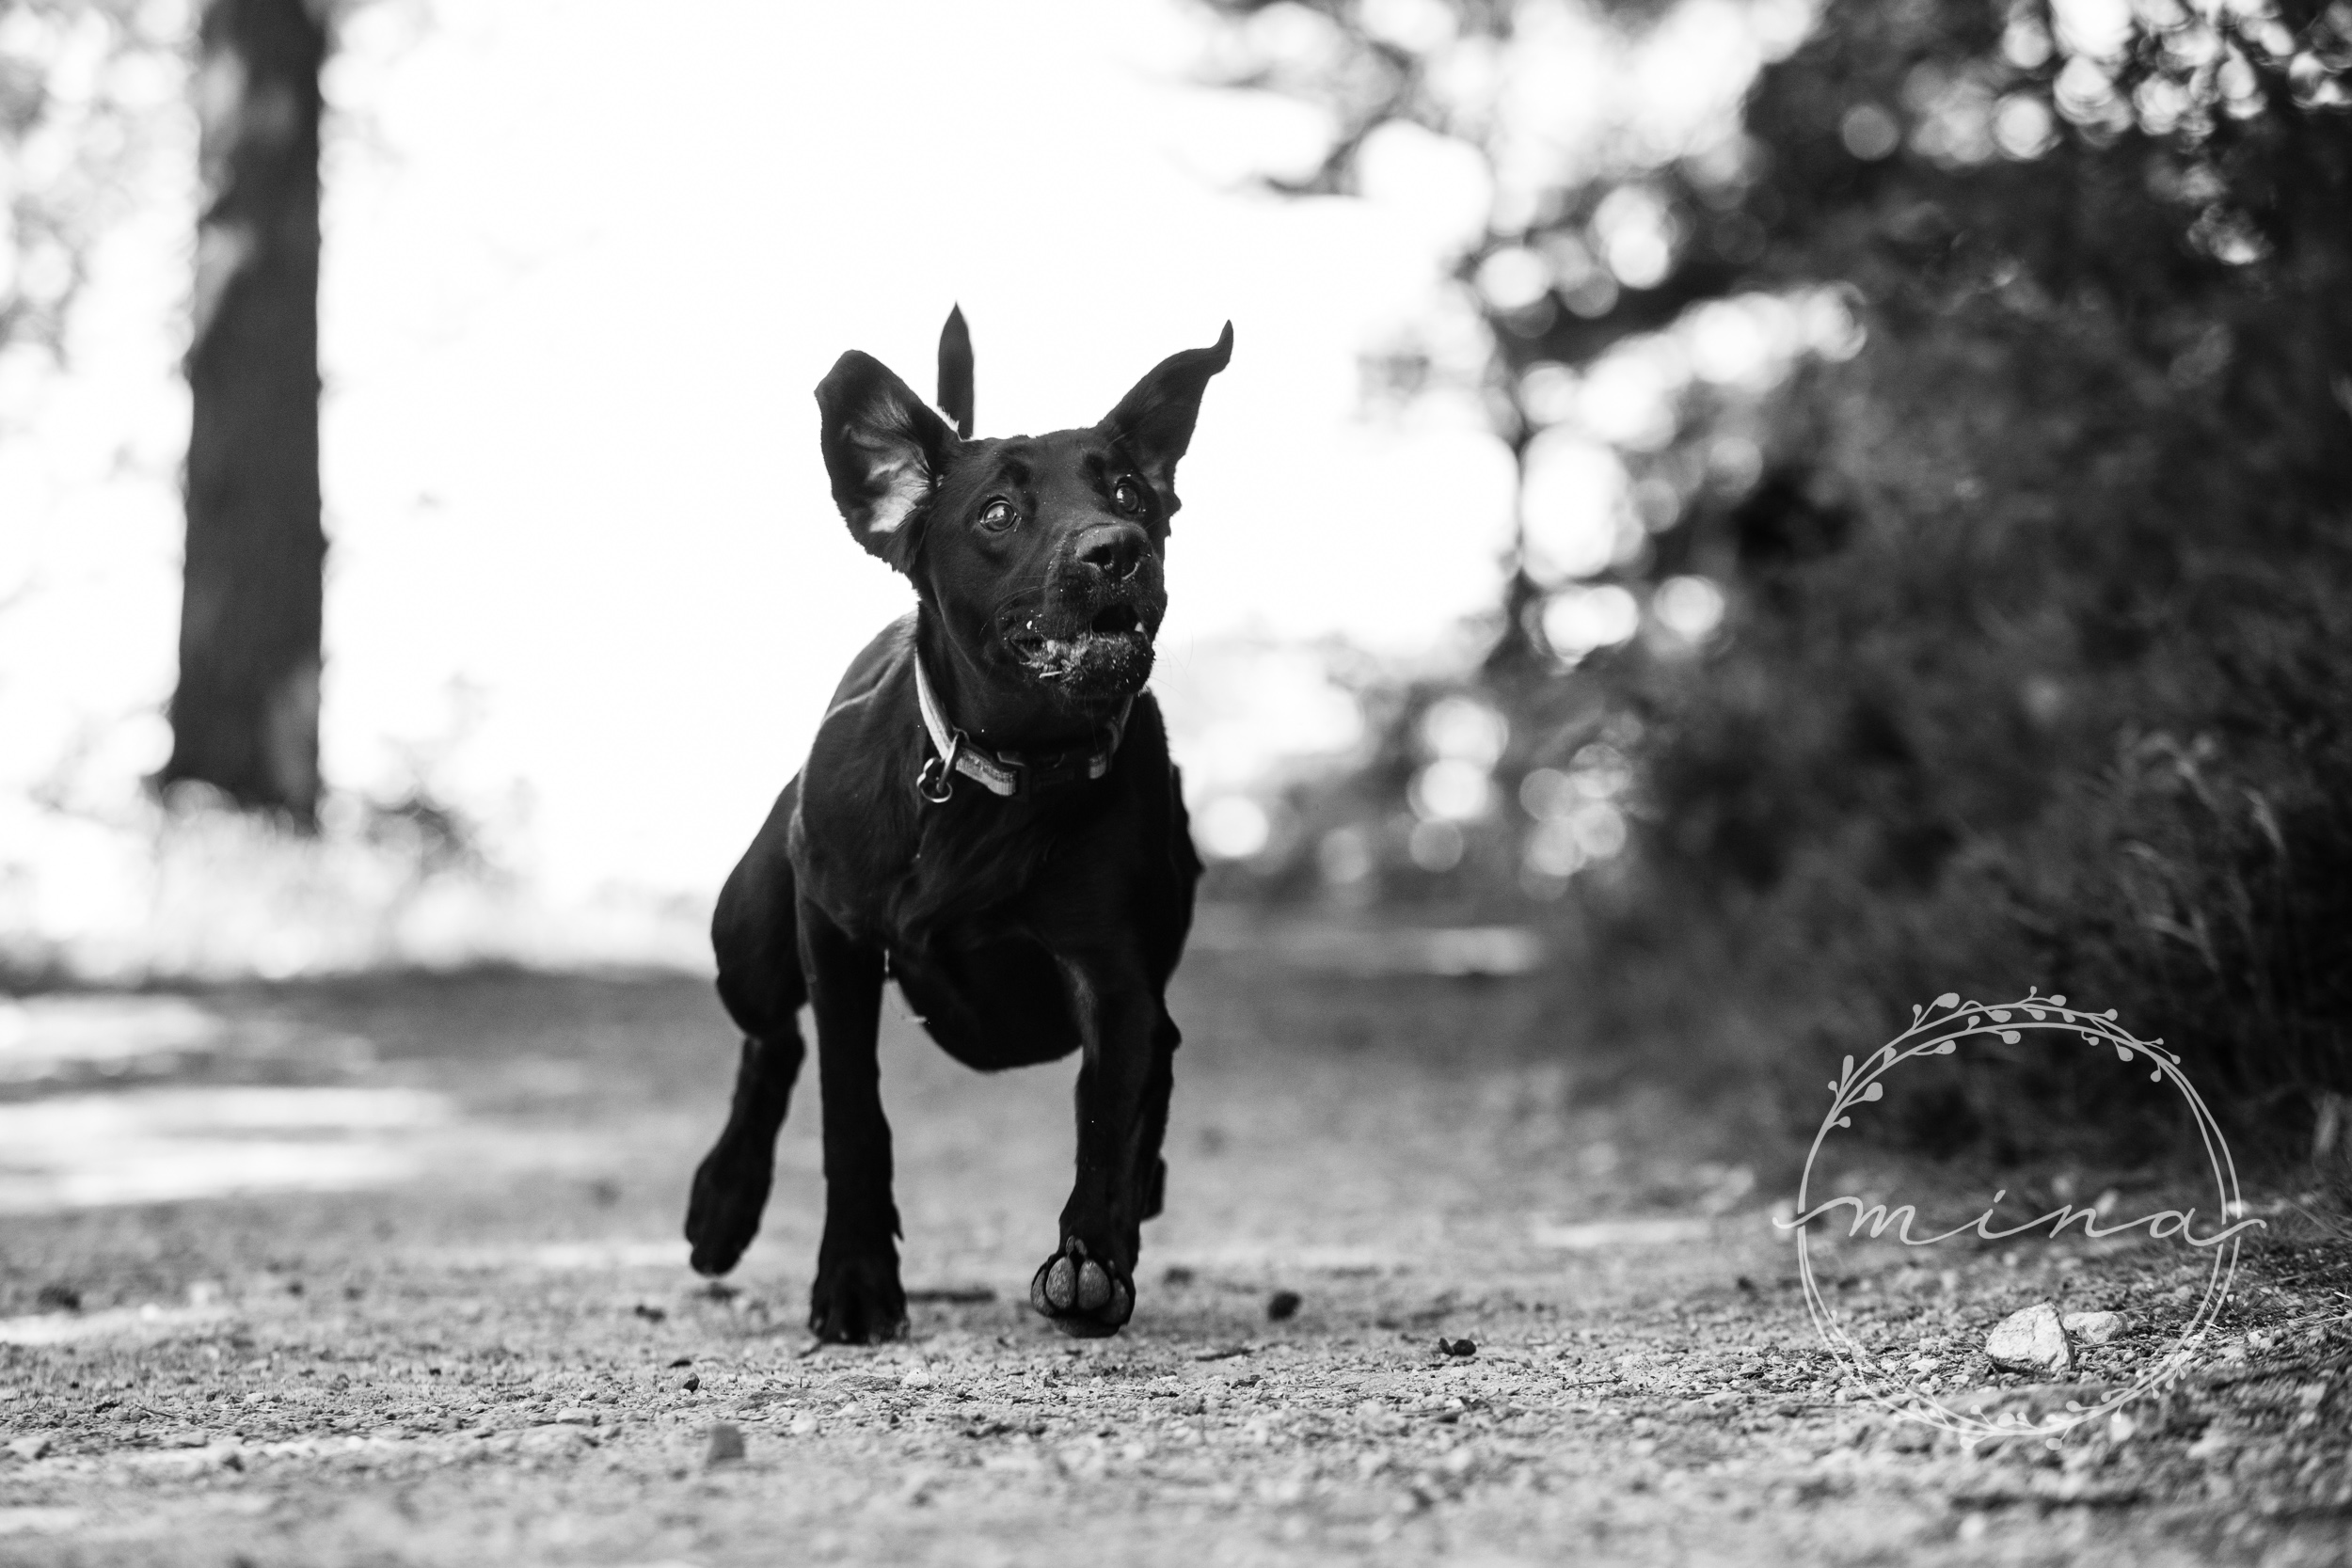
column 967, row 865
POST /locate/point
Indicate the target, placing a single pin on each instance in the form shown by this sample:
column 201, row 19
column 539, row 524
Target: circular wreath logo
column 1939, row 1030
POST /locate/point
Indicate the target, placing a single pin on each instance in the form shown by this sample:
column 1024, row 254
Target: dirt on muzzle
column 1090, row 662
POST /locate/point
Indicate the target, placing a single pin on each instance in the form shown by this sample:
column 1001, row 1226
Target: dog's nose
column 1115, row 552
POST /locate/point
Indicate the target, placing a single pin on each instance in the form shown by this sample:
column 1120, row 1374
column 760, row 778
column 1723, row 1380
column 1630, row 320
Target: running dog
column 989, row 816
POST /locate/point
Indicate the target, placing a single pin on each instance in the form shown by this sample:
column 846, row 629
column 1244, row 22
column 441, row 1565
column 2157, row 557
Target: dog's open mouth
column 1109, row 654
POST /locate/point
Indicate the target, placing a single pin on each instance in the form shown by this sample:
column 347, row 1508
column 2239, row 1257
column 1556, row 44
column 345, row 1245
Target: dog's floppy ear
column 884, row 450
column 1153, row 423
column 955, row 371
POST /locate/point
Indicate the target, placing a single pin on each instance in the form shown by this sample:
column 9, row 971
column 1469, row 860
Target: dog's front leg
column 1087, row 1287
column 857, row 1298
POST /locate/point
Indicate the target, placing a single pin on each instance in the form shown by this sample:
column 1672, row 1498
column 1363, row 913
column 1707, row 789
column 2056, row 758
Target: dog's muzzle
column 1093, row 642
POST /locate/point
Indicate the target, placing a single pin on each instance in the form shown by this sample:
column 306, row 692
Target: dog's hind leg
column 730, row 1190
column 755, row 935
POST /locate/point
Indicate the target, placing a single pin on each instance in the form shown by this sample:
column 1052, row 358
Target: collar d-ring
column 937, row 782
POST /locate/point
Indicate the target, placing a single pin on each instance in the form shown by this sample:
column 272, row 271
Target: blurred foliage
column 82, row 86
column 2030, row 545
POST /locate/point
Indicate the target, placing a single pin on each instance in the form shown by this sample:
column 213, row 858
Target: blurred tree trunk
column 244, row 718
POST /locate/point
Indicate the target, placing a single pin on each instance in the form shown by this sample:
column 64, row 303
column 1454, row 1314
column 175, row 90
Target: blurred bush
column 1934, row 566
column 185, row 886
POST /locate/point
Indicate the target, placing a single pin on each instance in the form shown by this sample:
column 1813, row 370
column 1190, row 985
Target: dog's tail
column 955, row 371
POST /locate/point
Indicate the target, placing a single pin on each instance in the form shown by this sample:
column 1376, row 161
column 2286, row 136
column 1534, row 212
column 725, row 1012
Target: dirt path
column 489, row 1350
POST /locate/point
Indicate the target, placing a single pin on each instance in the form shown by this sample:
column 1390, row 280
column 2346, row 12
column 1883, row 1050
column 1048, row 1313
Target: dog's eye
column 1127, row 494
column 998, row 516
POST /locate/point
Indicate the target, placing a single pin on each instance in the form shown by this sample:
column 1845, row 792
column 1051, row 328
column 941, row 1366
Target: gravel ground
column 1425, row 1293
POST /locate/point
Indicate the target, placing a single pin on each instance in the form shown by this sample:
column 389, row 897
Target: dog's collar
column 1006, row 773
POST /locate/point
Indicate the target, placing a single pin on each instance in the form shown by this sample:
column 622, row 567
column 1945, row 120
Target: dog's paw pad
column 1082, row 1295
column 1094, row 1287
column 1056, row 1288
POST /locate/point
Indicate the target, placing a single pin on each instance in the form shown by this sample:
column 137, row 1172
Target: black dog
column 988, row 816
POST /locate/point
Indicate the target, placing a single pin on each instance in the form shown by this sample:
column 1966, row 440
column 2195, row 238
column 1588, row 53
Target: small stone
column 28, row 1448
column 190, row 1462
column 694, row 1381
column 1283, row 1306
column 187, row 1437
column 556, row 1439
column 726, row 1444
column 575, row 1416
column 1457, row 1347
column 2094, row 1329
column 2031, row 1340
column 2214, row 1447
column 918, row 1376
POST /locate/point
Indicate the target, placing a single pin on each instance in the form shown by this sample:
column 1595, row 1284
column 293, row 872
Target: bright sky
column 584, row 269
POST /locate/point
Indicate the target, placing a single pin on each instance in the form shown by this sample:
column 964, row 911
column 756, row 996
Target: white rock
column 2031, row 1340
column 2214, row 1447
column 554, row 1438
column 28, row 1448
column 2094, row 1329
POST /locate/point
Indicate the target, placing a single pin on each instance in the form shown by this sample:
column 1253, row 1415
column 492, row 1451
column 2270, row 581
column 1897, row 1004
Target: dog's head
column 1040, row 554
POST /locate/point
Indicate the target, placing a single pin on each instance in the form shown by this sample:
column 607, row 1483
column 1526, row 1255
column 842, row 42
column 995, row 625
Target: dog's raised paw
column 730, row 1192
column 1084, row 1295
column 857, row 1301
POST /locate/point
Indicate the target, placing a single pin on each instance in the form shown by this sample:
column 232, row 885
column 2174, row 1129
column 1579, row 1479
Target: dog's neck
column 1002, row 714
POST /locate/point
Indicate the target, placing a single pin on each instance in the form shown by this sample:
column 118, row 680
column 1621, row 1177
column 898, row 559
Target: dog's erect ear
column 884, row 449
column 1154, row 420
column 955, row 371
